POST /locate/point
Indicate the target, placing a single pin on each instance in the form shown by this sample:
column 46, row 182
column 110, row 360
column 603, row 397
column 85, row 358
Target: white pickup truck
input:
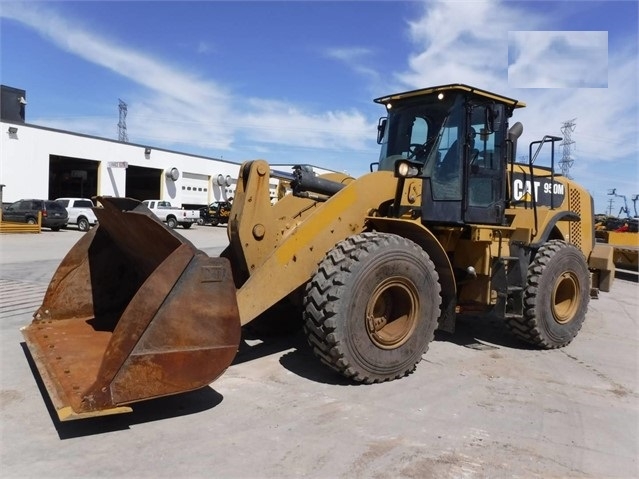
column 80, row 212
column 172, row 215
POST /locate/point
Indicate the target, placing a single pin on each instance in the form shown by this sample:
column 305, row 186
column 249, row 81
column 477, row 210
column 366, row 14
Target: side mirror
column 381, row 128
column 514, row 132
column 494, row 118
column 374, row 166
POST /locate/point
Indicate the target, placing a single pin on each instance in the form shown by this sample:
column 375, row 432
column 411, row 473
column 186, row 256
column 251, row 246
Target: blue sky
column 293, row 81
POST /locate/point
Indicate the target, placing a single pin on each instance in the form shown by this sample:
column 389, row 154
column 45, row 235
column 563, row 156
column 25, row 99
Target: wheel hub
column 565, row 297
column 391, row 313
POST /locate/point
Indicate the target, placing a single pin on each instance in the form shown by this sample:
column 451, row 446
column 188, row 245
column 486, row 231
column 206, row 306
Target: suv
column 80, row 212
column 54, row 215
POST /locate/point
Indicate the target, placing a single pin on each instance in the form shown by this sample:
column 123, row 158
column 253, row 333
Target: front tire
column 372, row 307
column 556, row 297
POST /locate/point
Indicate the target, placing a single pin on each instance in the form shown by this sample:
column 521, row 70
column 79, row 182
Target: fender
column 421, row 235
column 545, row 234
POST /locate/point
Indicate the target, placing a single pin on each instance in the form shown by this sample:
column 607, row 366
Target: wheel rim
column 392, row 313
column 565, row 297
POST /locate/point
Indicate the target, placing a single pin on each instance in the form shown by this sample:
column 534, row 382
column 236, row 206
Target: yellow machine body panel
column 282, row 244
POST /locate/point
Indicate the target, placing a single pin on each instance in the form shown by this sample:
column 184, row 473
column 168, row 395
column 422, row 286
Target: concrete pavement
column 480, row 404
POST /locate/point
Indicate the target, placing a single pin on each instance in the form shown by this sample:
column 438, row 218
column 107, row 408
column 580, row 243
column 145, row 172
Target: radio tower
column 122, row 135
column 566, row 160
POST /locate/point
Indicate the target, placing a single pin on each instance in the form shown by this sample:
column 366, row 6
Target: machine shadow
column 145, row 411
column 302, row 362
column 482, row 332
column 298, row 358
column 477, row 332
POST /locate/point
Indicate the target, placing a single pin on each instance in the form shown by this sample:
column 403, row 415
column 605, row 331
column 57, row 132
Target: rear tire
column 372, row 307
column 171, row 223
column 556, row 297
column 186, row 226
column 32, row 221
column 83, row 224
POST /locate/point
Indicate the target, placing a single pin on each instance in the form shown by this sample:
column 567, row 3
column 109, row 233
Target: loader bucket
column 133, row 312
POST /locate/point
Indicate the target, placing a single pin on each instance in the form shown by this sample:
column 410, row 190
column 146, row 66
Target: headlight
column 404, row 169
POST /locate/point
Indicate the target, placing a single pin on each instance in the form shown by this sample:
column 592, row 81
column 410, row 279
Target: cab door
column 484, row 164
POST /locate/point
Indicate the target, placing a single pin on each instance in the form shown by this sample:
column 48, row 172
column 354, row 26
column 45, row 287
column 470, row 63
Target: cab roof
column 454, row 87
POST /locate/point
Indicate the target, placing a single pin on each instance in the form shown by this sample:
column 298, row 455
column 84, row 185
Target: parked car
column 54, row 215
column 80, row 212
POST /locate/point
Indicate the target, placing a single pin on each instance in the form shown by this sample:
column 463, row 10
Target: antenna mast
column 122, row 134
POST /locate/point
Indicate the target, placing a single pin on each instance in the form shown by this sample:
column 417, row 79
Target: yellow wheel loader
column 445, row 224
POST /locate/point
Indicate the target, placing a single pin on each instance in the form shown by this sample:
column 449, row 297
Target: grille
column 575, row 226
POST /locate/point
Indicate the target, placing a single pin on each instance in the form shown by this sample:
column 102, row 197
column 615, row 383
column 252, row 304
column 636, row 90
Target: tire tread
column 328, row 285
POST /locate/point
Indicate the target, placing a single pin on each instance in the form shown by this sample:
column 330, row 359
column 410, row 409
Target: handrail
column 531, row 160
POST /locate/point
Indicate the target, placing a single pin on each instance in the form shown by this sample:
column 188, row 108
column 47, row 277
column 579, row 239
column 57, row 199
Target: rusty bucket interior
column 133, row 312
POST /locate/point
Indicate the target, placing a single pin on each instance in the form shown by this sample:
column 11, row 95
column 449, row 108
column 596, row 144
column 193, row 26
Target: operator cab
column 454, row 138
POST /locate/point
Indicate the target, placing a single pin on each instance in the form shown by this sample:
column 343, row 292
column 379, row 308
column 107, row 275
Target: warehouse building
column 47, row 163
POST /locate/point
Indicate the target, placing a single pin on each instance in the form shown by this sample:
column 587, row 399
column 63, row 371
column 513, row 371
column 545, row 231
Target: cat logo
column 544, row 191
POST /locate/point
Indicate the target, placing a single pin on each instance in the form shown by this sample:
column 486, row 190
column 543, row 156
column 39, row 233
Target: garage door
column 142, row 183
column 195, row 189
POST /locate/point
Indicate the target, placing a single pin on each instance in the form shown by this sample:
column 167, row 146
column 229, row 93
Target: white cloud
column 564, row 59
column 179, row 108
column 277, row 122
column 172, row 93
column 127, row 62
column 606, row 117
column 462, row 42
column 467, row 42
column 355, row 58
column 348, row 54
